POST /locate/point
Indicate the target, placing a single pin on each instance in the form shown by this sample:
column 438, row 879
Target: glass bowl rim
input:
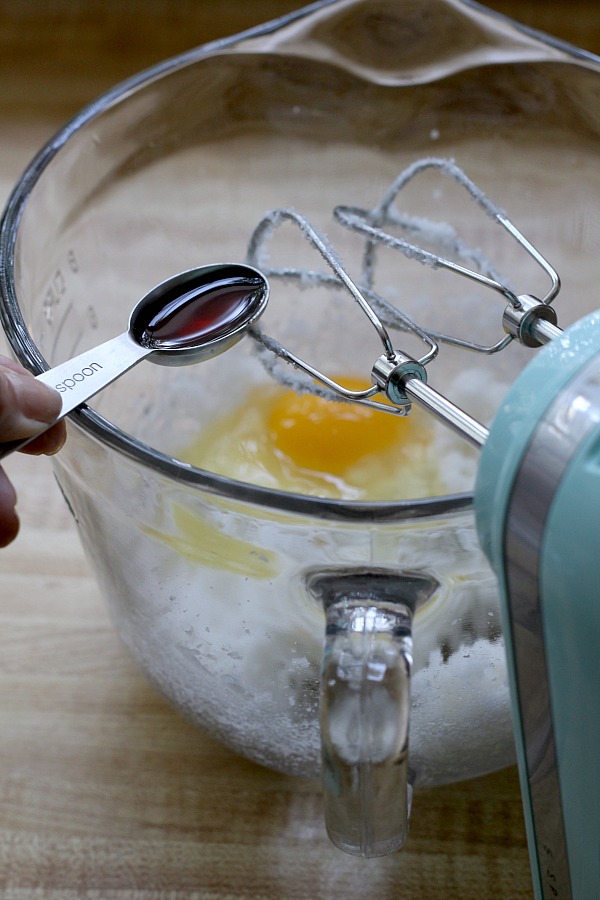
column 110, row 435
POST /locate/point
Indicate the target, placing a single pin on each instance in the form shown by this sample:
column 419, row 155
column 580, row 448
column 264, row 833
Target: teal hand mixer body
column 537, row 502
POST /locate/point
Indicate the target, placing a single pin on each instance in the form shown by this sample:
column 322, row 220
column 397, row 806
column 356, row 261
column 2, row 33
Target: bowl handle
column 365, row 705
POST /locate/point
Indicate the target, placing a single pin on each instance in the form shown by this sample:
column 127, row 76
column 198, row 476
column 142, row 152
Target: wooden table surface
column 105, row 792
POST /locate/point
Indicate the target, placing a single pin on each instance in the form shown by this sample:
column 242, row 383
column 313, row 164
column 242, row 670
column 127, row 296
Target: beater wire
column 375, row 227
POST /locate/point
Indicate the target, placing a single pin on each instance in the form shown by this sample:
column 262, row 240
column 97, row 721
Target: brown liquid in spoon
column 197, row 314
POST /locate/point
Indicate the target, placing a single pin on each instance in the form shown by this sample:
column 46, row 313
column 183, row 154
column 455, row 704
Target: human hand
column 26, row 405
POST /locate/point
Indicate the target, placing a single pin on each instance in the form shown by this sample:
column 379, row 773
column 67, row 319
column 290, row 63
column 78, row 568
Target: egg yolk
column 329, row 437
column 323, row 448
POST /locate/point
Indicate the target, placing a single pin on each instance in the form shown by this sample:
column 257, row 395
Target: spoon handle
column 80, row 378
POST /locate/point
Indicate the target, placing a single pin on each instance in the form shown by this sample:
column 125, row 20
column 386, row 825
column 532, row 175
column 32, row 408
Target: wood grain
column 105, row 792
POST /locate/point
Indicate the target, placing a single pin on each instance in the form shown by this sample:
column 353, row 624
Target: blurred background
column 49, row 49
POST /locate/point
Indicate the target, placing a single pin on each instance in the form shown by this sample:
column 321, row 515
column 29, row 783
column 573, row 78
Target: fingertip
column 9, row 520
column 49, row 442
column 27, row 405
column 36, row 400
column 9, row 529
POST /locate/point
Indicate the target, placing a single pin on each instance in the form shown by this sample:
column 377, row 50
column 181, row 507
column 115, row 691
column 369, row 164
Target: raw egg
column 303, row 443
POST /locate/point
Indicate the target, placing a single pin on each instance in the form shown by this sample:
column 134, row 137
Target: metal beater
column 397, row 375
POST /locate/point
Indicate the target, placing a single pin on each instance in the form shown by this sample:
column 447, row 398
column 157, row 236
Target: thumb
column 26, row 405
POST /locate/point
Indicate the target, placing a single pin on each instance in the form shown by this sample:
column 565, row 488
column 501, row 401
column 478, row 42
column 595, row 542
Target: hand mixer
column 536, row 496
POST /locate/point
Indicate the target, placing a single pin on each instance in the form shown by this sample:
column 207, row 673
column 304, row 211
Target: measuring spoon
column 187, row 319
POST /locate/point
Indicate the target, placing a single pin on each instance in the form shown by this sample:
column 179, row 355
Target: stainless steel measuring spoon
column 189, row 318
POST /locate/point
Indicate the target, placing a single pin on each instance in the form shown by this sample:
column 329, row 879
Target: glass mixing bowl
column 221, row 588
